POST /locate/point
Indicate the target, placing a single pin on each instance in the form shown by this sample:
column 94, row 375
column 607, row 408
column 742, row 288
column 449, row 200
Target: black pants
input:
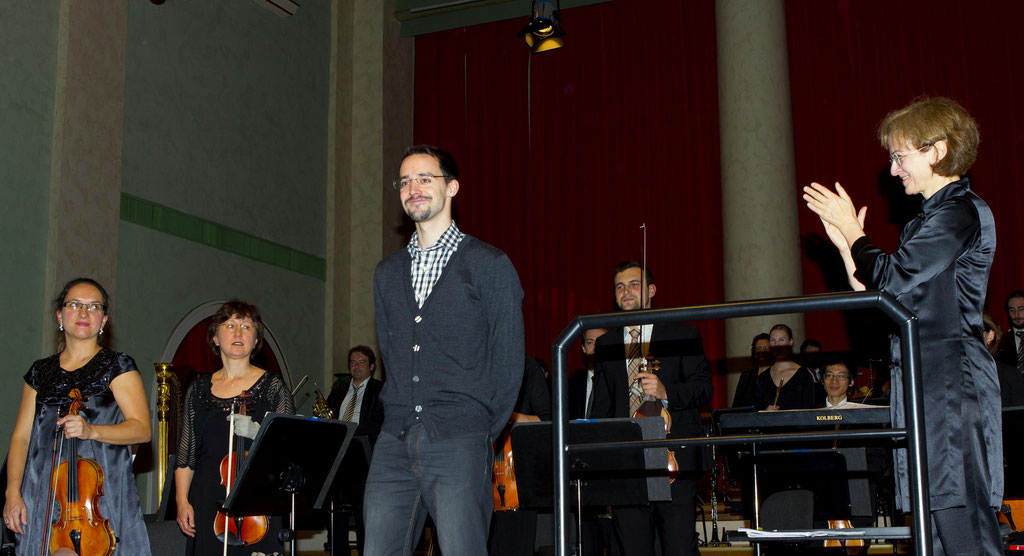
column 598, row 532
column 674, row 522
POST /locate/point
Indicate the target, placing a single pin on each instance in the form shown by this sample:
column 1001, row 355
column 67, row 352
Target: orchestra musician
column 838, row 380
column 785, row 385
column 939, row 272
column 450, row 329
column 235, row 333
column 682, row 385
column 356, row 400
column 114, row 416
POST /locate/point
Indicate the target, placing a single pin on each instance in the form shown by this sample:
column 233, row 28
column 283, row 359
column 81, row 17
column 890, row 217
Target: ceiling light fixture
column 544, row 31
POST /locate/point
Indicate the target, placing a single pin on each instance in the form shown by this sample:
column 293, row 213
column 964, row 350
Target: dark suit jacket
column 371, row 412
column 1006, row 351
column 684, row 372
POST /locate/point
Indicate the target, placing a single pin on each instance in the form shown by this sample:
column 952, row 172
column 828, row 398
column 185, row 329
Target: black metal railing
column 913, row 432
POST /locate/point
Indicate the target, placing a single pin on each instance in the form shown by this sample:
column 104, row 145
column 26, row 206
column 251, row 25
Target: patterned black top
column 268, row 394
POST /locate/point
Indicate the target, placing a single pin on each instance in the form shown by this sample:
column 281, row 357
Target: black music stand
column 348, row 485
column 293, row 459
column 611, row 477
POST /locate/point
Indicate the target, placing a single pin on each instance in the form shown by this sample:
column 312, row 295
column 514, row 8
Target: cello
column 76, row 486
column 237, row 530
column 506, row 492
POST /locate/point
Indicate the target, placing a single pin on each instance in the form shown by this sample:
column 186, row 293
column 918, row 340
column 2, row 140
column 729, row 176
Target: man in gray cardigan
column 450, row 330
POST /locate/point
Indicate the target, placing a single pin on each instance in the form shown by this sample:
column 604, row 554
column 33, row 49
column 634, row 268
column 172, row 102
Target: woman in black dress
column 114, row 416
column 785, row 385
column 235, row 333
column 939, row 272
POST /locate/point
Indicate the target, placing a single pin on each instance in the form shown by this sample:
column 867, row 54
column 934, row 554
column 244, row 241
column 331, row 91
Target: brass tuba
column 320, row 407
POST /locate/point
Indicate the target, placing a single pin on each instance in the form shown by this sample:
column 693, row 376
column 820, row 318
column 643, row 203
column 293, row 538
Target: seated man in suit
column 1012, row 346
column 682, row 385
column 356, row 400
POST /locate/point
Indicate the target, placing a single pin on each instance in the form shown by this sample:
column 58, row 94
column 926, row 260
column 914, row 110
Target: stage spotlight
column 543, row 32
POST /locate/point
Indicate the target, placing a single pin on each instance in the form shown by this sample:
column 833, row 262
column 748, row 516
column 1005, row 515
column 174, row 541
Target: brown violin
column 77, row 484
column 237, row 530
column 652, row 407
column 506, row 492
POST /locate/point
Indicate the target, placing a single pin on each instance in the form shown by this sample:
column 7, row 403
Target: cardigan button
column 416, row 347
column 417, row 319
column 416, row 378
column 419, row 408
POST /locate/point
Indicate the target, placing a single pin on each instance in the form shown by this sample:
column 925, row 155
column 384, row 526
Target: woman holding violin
column 235, row 333
column 110, row 415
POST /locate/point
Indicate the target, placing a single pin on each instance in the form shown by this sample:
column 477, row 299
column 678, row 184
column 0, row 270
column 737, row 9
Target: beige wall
column 88, row 130
column 370, row 125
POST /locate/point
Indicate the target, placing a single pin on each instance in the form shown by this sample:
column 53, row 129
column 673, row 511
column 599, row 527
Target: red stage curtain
column 853, row 61
column 564, row 154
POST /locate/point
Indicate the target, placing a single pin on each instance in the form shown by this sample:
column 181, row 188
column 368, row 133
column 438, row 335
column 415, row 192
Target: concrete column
column 88, row 132
column 759, row 191
column 366, row 54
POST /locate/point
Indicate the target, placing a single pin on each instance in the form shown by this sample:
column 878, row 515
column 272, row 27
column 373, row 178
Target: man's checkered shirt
column 428, row 263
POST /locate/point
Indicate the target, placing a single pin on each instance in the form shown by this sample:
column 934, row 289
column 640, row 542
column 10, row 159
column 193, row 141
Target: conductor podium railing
column 912, row 433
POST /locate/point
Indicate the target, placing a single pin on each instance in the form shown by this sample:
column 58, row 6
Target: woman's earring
column 61, row 327
column 101, row 331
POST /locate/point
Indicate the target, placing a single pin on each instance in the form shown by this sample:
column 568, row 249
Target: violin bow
column 227, row 489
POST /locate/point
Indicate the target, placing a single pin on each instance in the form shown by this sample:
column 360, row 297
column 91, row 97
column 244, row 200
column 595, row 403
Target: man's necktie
column 635, row 392
column 350, row 411
column 1020, row 350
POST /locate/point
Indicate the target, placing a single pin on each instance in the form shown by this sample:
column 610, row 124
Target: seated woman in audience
column 786, row 385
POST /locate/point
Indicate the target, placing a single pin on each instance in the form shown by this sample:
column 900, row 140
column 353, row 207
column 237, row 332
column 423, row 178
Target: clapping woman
column 939, row 271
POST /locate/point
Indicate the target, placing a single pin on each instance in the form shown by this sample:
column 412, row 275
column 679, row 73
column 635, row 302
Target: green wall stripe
column 211, row 234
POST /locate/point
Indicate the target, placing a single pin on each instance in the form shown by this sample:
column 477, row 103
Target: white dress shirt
column 348, row 397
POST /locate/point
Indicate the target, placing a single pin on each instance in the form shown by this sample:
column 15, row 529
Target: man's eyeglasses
column 898, row 158
column 421, row 180
column 89, row 307
column 837, row 376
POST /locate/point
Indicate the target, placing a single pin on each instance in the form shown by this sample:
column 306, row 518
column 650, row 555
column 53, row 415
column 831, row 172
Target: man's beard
column 419, row 217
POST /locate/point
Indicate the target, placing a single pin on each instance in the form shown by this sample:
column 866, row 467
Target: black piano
column 743, row 420
column 812, row 467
